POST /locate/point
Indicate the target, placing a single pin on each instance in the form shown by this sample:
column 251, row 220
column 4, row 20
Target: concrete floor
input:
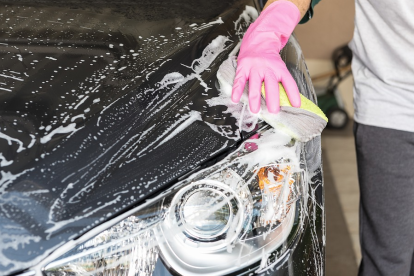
column 341, row 201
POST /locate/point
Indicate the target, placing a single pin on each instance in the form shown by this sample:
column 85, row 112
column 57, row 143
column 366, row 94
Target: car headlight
column 217, row 221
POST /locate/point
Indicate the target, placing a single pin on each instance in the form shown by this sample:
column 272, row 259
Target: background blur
column 331, row 27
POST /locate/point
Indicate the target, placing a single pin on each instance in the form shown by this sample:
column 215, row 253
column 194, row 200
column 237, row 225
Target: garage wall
column 331, row 26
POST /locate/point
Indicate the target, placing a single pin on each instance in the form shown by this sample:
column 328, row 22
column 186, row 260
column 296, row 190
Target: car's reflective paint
column 103, row 104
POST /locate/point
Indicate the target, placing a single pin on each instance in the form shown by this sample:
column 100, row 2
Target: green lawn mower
column 329, row 98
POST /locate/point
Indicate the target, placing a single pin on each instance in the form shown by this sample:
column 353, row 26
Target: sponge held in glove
column 302, row 123
column 306, row 104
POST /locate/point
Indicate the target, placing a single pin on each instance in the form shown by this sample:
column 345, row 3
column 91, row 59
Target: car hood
column 101, row 105
column 106, row 103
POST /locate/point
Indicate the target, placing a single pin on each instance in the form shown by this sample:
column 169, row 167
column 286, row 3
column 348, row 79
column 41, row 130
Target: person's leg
column 412, row 266
column 385, row 160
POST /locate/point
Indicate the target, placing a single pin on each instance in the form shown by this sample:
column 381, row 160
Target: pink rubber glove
column 259, row 59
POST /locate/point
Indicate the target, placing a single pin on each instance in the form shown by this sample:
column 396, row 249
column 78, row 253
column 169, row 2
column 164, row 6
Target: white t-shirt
column 383, row 63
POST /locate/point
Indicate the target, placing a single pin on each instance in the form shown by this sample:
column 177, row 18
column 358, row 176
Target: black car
column 120, row 155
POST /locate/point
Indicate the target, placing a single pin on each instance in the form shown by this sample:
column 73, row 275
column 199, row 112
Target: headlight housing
column 234, row 214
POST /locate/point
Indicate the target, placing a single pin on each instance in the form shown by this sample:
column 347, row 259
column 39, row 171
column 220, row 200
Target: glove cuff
column 280, row 18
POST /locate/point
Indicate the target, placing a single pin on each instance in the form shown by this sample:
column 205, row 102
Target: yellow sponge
column 305, row 103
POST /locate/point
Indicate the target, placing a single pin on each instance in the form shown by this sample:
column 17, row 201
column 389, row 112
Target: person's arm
column 309, row 13
column 303, row 5
column 259, row 59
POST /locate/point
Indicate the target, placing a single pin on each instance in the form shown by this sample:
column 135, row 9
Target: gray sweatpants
column 386, row 178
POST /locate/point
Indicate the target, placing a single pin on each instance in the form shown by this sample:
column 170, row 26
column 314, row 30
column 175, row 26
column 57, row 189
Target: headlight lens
column 197, row 217
column 217, row 221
